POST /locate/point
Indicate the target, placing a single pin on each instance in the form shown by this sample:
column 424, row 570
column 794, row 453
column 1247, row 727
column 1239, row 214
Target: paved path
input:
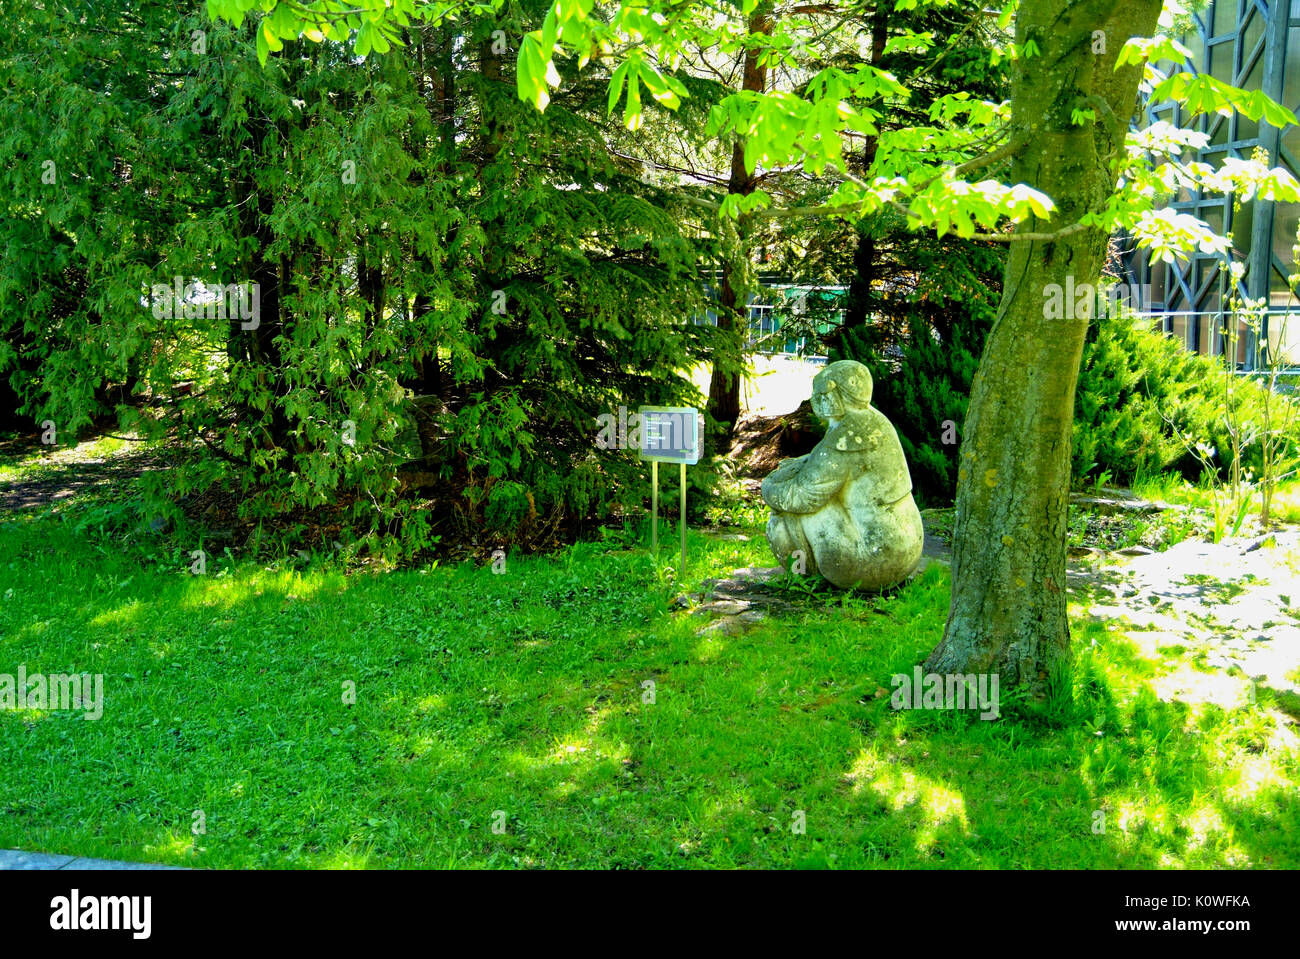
column 1234, row 606
column 16, row 859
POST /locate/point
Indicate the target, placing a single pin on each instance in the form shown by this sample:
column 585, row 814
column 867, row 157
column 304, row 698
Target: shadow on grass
column 563, row 714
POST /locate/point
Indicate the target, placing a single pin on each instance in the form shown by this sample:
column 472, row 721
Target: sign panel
column 670, row 434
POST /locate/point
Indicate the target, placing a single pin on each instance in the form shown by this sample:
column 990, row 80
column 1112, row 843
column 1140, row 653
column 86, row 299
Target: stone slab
column 11, row 859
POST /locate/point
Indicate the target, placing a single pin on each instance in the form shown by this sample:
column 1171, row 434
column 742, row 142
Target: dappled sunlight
column 120, row 617
column 34, row 630
column 433, row 703
column 578, row 752
column 711, row 646
column 523, row 693
column 165, row 649
column 26, row 716
column 217, row 590
column 1201, row 824
column 1138, row 821
column 177, row 846
column 903, row 789
column 1250, row 775
column 585, row 748
column 345, row 859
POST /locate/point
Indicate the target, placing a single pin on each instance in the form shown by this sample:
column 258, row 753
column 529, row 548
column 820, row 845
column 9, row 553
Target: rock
column 1118, row 502
column 732, row 625
column 723, row 607
column 1269, row 541
column 925, row 562
column 1135, row 551
column 845, row 510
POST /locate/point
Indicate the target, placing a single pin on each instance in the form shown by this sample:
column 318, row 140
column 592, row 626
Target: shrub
column 1134, row 382
column 923, row 352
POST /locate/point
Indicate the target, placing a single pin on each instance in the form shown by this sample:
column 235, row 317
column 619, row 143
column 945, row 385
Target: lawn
column 506, row 720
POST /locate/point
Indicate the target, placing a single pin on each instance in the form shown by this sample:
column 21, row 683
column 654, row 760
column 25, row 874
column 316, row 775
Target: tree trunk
column 724, row 385
column 1008, row 608
column 857, row 304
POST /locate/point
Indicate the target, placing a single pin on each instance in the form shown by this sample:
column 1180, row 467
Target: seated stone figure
column 848, row 504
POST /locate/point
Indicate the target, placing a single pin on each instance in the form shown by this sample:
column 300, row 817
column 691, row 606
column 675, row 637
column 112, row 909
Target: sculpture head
column 843, row 387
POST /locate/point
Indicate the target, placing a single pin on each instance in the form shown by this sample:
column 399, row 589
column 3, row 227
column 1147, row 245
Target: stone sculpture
column 848, row 504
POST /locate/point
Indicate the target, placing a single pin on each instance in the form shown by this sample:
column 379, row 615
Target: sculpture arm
column 819, row 477
column 787, row 469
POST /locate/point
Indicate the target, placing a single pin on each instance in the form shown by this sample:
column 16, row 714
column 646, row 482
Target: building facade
column 1254, row 45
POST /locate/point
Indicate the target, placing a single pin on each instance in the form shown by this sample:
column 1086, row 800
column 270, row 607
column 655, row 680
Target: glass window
column 1225, row 17
column 1221, row 62
column 1205, row 270
column 1243, row 221
column 1291, row 143
column 1213, row 296
column 1279, row 292
column 1254, row 30
column 1243, row 337
column 1195, row 42
column 1291, row 77
column 1286, row 218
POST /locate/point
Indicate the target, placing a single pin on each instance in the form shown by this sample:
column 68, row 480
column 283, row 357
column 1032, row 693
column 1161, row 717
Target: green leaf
column 272, row 41
column 632, row 109
column 550, row 32
column 616, row 87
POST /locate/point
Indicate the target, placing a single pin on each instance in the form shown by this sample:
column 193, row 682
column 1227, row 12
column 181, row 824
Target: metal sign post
column 654, row 506
column 669, row 434
column 682, row 521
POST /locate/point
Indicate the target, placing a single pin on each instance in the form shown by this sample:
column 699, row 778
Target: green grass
column 1174, row 489
column 520, row 698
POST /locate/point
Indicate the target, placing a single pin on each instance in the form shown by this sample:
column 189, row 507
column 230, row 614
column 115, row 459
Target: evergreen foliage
column 452, row 286
column 1135, row 386
column 924, row 352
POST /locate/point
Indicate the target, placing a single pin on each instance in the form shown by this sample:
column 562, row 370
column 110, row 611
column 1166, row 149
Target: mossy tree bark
column 1008, row 608
column 733, row 316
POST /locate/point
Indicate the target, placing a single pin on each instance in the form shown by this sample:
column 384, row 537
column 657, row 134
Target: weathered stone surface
column 741, row 601
column 18, row 859
column 1117, row 501
column 1229, row 605
column 847, row 506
